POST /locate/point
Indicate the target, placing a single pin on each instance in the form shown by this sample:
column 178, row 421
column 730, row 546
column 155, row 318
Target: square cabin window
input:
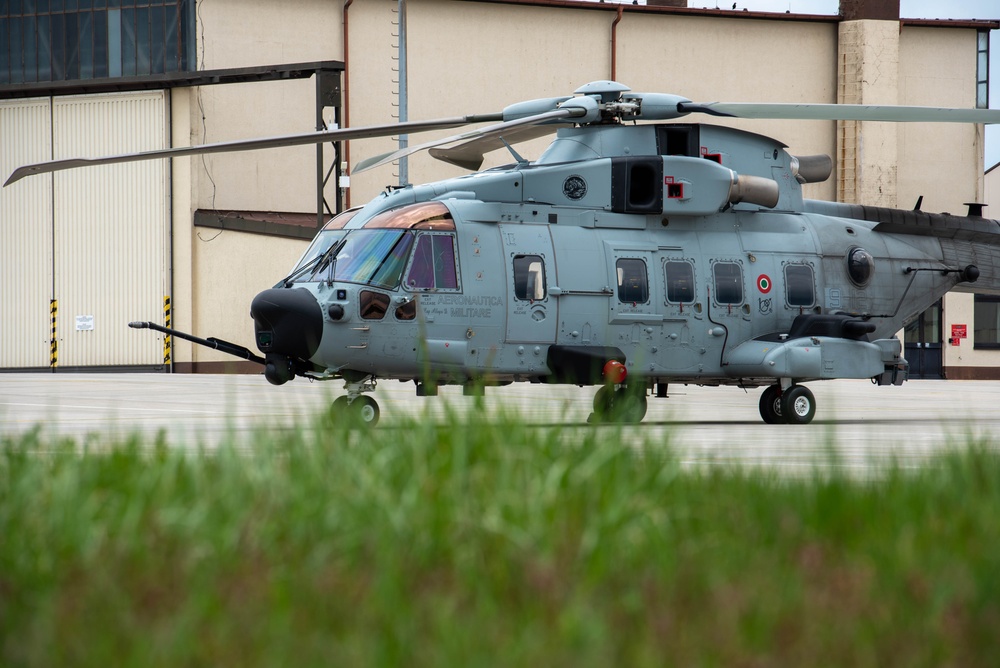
column 680, row 282
column 728, row 282
column 633, row 284
column 799, row 285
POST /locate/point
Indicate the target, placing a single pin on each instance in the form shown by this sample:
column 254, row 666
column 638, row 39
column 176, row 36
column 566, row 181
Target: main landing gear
column 793, row 405
column 619, row 404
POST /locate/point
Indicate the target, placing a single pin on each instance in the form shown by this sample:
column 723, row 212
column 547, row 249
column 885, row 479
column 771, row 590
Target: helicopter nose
column 287, row 322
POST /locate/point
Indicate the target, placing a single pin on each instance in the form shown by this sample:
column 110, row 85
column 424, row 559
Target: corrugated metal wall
column 108, row 233
column 25, row 236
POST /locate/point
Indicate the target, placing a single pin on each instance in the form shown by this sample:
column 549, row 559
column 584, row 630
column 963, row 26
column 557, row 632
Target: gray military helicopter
column 629, row 256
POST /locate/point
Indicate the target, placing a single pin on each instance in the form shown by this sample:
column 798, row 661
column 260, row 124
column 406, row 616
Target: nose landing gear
column 357, row 406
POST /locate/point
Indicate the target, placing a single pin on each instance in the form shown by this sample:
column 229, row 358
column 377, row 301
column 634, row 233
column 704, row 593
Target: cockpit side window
column 433, row 265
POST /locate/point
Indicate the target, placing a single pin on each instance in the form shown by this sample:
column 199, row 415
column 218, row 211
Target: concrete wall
column 217, row 273
column 469, row 57
column 965, row 361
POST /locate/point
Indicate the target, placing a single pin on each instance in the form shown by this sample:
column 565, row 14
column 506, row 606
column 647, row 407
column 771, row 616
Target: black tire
column 632, row 405
column 364, row 409
column 619, row 405
column 770, row 405
column 798, row 406
column 604, row 405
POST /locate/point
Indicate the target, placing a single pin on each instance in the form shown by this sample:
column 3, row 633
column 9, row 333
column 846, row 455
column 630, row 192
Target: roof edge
column 977, row 24
column 171, row 80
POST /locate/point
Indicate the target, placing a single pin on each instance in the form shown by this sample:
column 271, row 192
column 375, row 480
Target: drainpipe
column 614, row 44
column 346, row 102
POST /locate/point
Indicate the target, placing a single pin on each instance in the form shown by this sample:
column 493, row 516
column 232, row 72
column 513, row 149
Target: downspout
column 346, row 103
column 614, row 44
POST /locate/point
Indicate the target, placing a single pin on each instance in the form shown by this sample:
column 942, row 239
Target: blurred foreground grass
column 468, row 543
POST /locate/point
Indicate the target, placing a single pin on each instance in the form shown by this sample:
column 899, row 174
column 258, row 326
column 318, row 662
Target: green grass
column 465, row 544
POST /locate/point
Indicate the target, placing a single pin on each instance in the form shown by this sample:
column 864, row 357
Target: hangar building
column 190, row 241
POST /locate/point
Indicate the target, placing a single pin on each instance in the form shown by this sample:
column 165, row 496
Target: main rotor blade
column 255, row 144
column 844, row 112
column 471, row 154
column 498, row 130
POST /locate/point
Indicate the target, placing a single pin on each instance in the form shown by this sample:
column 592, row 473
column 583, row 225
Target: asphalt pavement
column 857, row 424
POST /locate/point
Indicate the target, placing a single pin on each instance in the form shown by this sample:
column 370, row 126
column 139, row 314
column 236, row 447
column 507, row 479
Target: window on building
column 529, row 277
column 799, row 290
column 633, row 284
column 983, row 70
column 68, row 40
column 680, row 282
column 728, row 282
column 986, row 322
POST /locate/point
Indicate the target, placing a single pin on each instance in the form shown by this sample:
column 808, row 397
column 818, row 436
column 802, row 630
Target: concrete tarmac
column 859, row 423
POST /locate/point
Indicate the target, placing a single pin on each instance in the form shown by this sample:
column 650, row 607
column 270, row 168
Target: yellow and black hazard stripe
column 53, row 340
column 167, row 339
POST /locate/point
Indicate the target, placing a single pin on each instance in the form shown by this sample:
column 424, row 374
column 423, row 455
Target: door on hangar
column 92, row 244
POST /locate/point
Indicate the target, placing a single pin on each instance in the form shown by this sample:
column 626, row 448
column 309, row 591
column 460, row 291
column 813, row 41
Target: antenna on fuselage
column 517, row 156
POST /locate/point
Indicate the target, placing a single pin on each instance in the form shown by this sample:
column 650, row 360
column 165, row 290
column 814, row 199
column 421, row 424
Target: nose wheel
column 359, row 407
column 795, row 405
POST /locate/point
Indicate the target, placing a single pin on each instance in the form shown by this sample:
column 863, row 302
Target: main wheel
column 798, row 406
column 632, row 405
column 619, row 405
column 604, row 405
column 366, row 410
column 770, row 405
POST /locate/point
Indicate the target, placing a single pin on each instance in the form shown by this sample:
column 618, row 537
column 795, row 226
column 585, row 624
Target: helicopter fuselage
column 683, row 252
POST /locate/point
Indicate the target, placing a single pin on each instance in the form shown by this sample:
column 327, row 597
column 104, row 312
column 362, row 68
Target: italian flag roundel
column 764, row 283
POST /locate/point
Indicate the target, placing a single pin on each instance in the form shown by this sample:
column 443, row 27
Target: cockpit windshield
column 377, row 253
column 369, row 257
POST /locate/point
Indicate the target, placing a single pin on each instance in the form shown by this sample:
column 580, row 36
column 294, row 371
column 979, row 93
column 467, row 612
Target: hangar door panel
column 25, row 236
column 111, row 240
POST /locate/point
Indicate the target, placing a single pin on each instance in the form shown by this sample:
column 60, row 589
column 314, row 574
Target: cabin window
column 633, row 284
column 728, row 282
column 799, row 286
column 433, row 265
column 680, row 282
column 529, row 277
